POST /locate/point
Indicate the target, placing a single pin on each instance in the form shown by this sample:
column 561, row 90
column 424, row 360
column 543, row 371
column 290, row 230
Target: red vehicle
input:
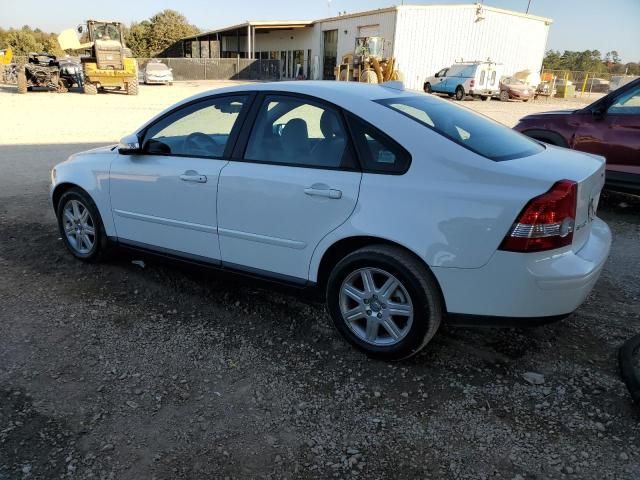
column 609, row 127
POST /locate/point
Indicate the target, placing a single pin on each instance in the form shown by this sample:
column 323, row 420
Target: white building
column 422, row 38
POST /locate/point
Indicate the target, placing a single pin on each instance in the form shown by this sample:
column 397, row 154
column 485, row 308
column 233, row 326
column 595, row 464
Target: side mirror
column 437, row 75
column 599, row 113
column 80, row 28
column 129, row 145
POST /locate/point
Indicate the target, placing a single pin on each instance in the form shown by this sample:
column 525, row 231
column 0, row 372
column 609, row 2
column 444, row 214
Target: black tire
column 504, row 96
column 525, row 100
column 132, row 87
column 484, row 98
column 22, row 82
column 427, row 88
column 90, row 88
column 459, row 93
column 450, row 95
column 418, row 282
column 100, row 247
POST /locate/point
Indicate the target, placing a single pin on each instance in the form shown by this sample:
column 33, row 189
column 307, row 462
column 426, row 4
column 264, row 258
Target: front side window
column 442, row 73
column 627, row 103
column 298, row 132
column 464, row 127
column 199, row 130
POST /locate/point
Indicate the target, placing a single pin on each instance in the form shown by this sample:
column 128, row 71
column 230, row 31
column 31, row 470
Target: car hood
column 550, row 114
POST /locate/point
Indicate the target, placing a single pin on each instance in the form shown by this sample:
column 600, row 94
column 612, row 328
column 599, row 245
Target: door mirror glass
column 129, row 145
column 277, row 129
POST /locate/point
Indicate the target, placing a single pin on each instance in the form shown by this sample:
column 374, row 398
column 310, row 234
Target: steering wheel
column 200, row 144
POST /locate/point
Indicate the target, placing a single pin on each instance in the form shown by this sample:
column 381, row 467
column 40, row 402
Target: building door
column 330, row 54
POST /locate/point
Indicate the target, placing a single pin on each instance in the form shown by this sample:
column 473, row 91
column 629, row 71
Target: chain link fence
column 571, row 83
column 190, row 68
column 218, row 68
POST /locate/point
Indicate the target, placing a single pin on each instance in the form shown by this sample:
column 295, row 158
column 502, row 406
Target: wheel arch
column 60, row 189
column 547, row 136
column 344, row 246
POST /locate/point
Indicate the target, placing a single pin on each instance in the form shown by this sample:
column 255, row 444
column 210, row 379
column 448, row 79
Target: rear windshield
column 466, row 128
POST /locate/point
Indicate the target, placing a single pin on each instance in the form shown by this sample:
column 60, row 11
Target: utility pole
column 528, row 5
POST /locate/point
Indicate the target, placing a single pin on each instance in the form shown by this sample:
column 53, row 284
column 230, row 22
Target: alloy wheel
column 79, row 226
column 376, row 306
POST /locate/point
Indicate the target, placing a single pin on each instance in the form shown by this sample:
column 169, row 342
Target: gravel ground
column 113, row 371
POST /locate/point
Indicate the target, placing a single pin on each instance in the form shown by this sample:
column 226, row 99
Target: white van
column 476, row 79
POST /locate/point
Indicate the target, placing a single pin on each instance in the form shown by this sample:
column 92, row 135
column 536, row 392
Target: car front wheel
column 80, row 226
column 427, row 88
column 384, row 301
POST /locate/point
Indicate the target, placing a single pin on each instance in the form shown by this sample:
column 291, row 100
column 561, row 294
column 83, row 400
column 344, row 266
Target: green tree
column 165, row 28
column 137, row 39
column 22, row 42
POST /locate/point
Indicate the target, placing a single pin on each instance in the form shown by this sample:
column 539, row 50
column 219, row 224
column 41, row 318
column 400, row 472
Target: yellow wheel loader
column 367, row 63
column 108, row 63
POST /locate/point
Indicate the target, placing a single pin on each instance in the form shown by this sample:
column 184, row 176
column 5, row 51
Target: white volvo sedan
column 404, row 209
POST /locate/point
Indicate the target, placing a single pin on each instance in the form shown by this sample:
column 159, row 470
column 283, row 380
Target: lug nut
column 379, row 315
column 368, row 312
column 366, row 301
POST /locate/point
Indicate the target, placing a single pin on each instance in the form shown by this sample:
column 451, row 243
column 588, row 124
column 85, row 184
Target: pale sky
column 578, row 24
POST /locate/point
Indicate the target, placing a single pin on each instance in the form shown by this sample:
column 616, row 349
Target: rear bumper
column 527, row 286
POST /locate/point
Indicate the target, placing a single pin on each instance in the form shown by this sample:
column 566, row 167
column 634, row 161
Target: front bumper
column 531, row 285
column 158, row 80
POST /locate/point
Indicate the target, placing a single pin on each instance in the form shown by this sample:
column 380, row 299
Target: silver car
column 158, row 73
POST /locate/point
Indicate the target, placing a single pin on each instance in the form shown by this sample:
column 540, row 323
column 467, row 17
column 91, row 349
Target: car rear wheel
column 459, row 93
column 427, row 88
column 384, row 301
column 504, row 96
column 80, row 226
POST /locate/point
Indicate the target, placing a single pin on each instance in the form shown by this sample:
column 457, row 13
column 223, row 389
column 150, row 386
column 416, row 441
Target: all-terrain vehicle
column 107, row 63
column 42, row 70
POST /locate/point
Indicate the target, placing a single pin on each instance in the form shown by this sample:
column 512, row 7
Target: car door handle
column 192, row 176
column 323, row 192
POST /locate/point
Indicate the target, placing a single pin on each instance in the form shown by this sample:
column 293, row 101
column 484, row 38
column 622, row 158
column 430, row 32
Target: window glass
column 199, row 130
column 469, row 129
column 627, row 104
column 297, row 132
column 482, row 73
column 378, row 152
column 493, row 77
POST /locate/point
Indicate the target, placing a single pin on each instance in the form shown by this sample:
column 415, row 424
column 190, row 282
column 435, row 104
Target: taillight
column 472, row 83
column 546, row 222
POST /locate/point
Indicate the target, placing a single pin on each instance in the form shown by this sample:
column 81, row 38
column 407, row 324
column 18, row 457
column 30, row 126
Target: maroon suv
column 609, row 127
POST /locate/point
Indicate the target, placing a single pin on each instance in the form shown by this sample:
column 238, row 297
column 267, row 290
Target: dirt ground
column 114, row 371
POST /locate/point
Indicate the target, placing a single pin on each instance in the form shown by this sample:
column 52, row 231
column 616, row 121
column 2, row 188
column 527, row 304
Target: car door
column 164, row 197
column 614, row 133
column 440, row 81
column 295, row 179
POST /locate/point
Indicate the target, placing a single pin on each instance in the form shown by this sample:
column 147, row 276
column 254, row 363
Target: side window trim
column 251, row 119
column 206, row 101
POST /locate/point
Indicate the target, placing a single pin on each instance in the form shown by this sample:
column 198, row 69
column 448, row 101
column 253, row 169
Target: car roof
column 336, row 92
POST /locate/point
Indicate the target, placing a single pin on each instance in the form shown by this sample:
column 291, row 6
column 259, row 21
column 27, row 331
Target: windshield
column 105, row 31
column 156, row 67
column 466, row 128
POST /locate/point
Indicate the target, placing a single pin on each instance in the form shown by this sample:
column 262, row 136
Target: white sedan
column 404, row 209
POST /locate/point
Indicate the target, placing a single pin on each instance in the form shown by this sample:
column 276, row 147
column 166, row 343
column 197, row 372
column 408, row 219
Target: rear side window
column 378, row 152
column 464, row 127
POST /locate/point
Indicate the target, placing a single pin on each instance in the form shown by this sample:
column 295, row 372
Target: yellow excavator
column 6, row 56
column 367, row 63
column 7, row 71
column 107, row 62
